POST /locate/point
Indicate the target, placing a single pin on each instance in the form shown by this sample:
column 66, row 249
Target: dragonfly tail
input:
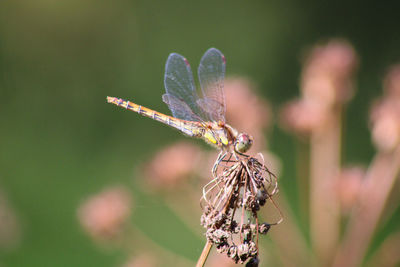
column 183, row 126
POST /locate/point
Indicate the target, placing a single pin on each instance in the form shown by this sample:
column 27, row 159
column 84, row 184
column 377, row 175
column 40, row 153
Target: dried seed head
column 239, row 190
column 253, row 262
column 253, row 250
column 243, row 251
column 223, row 247
column 262, row 196
column 264, row 228
column 232, row 252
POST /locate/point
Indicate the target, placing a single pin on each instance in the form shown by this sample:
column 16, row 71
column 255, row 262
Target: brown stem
column 204, row 254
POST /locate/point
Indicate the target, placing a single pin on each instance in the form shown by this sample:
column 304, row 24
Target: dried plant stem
column 204, row 254
column 324, row 208
column 375, row 191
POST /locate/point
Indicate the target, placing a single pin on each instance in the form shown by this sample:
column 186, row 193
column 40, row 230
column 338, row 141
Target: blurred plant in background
column 326, row 86
column 353, row 197
column 345, row 204
column 10, row 225
column 103, row 215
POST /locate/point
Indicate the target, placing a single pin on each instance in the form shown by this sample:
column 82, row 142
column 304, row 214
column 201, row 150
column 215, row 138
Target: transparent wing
column 180, row 109
column 180, row 89
column 211, row 75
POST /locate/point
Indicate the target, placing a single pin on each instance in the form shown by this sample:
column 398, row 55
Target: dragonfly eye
column 243, row 143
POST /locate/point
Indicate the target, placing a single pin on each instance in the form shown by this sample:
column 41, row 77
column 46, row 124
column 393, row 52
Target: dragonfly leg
column 221, row 156
column 209, row 187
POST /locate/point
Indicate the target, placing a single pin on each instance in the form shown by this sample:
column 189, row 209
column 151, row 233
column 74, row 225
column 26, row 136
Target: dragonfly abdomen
column 188, row 128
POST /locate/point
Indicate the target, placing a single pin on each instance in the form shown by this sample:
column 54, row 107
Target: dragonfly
column 199, row 117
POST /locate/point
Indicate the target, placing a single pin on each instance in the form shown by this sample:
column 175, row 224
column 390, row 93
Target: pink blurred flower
column 385, row 118
column 326, row 82
column 173, row 164
column 392, row 82
column 385, row 113
column 102, row 215
column 349, row 184
column 10, row 232
column 246, row 111
column 302, row 116
column 326, row 77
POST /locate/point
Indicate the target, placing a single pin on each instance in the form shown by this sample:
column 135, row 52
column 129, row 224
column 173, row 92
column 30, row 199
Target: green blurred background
column 59, row 139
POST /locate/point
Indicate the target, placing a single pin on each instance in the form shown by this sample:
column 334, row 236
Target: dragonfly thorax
column 226, row 137
column 218, row 135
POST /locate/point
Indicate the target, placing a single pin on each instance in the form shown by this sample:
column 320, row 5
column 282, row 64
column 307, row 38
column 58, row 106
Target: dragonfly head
column 243, row 143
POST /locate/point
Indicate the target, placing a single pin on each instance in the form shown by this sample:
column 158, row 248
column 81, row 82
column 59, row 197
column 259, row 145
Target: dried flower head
column 104, row 214
column 231, row 202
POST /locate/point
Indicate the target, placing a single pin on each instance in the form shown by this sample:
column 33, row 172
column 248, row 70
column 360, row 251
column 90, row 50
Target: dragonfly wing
column 180, row 109
column 211, row 75
column 179, row 84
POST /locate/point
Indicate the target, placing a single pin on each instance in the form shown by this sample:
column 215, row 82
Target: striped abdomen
column 190, row 128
